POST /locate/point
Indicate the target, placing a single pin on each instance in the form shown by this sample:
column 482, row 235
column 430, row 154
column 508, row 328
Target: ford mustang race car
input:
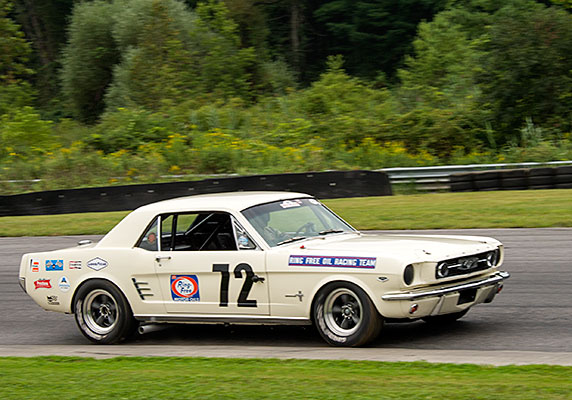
column 260, row 258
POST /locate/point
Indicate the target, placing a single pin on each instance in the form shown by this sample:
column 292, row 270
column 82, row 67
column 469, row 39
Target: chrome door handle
column 160, row 258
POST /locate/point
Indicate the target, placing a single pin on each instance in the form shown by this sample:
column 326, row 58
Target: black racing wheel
column 102, row 313
column 345, row 316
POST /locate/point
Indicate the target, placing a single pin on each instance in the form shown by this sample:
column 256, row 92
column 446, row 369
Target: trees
column 156, row 62
column 89, row 57
column 373, row 35
column 490, row 70
column 152, row 53
column 14, row 52
column 527, row 69
column 438, row 93
column 44, row 24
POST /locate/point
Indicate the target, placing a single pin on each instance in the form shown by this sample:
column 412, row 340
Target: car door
column 207, row 264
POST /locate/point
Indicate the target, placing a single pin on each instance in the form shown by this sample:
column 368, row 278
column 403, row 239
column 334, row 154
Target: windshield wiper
column 294, row 239
column 328, row 231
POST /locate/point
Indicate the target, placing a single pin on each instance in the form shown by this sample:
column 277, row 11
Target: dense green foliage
column 15, row 91
column 144, row 90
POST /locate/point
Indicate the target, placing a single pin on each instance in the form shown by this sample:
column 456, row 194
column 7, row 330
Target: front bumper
column 497, row 278
column 442, row 300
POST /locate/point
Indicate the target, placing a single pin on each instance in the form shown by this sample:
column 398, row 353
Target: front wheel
column 102, row 313
column 345, row 316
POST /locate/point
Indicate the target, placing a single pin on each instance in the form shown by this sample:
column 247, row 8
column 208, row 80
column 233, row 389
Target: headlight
column 408, row 274
column 442, row 270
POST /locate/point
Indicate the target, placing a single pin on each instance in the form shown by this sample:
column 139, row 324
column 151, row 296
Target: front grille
column 467, row 264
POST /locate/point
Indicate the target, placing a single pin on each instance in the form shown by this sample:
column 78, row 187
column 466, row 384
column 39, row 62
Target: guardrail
column 438, row 178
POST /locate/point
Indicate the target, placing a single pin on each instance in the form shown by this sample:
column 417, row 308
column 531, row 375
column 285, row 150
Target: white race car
column 260, row 258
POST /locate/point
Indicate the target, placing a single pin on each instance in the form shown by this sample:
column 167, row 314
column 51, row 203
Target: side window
column 166, row 232
column 149, row 239
column 203, row 231
column 183, row 225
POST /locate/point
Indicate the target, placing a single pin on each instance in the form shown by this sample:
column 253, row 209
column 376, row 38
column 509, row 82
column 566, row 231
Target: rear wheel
column 102, row 313
column 345, row 316
column 445, row 318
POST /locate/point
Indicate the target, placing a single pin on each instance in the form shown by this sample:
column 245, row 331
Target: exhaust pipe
column 143, row 329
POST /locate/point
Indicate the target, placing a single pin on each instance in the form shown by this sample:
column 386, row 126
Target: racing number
column 246, row 286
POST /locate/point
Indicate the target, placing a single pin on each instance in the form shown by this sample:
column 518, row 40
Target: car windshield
column 287, row 221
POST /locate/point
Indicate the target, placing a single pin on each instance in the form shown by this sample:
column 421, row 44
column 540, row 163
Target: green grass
column 503, row 209
column 58, row 225
column 186, row 378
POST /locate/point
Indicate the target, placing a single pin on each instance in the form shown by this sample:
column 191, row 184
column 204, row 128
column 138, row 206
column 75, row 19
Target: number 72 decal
column 246, row 286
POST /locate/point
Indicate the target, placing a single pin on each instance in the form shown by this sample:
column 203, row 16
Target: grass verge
column 167, row 378
column 503, row 209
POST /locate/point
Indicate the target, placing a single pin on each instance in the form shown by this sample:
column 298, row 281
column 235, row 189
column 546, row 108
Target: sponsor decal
column 97, row 264
column 185, row 288
column 53, row 300
column 64, row 284
column 42, row 284
column 54, row 265
column 322, row 261
column 34, row 265
column 313, row 201
column 75, row 265
column 243, row 241
column 290, row 203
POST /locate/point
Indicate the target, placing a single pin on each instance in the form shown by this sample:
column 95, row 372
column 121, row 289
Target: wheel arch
column 340, row 279
column 96, row 278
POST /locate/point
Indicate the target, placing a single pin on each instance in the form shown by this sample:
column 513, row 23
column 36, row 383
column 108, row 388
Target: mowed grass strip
column 502, row 209
column 185, row 378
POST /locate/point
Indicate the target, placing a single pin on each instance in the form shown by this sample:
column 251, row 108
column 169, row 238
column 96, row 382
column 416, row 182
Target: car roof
column 126, row 232
column 236, row 201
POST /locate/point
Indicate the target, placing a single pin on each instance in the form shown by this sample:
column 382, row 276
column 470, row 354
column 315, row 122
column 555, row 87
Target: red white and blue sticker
column 54, row 265
column 324, row 261
column 34, row 265
column 185, row 288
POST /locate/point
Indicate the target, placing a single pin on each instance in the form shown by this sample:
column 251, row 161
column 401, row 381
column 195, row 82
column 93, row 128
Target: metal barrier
column 438, row 178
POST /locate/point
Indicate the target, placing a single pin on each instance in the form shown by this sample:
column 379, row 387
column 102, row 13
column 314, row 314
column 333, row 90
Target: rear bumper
column 493, row 280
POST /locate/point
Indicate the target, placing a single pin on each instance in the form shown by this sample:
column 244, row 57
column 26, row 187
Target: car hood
column 413, row 247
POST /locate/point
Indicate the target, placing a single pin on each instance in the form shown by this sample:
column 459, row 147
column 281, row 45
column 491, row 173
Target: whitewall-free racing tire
column 345, row 316
column 102, row 313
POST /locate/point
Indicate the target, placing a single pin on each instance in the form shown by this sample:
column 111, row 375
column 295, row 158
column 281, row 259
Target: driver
column 269, row 234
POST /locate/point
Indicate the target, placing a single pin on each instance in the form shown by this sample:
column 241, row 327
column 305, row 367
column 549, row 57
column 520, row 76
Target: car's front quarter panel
column 293, row 284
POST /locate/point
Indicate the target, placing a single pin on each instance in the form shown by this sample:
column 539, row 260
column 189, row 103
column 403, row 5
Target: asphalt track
column 530, row 322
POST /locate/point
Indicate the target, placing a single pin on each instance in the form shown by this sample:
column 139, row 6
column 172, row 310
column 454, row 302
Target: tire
column 345, row 316
column 445, row 319
column 102, row 313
